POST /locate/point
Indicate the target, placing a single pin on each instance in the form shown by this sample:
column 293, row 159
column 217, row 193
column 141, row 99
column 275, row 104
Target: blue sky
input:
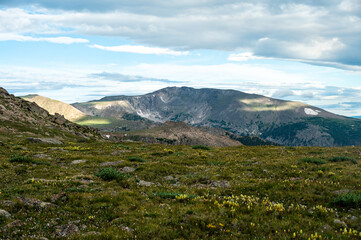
column 83, row 50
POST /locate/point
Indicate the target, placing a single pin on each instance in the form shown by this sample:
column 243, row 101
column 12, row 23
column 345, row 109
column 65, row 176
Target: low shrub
column 201, row 147
column 109, row 174
column 342, row 159
column 20, row 159
column 136, row 159
column 313, row 160
column 348, row 200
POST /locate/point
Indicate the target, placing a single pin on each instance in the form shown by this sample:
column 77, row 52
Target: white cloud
column 140, row 50
column 243, row 57
column 316, row 33
column 21, row 38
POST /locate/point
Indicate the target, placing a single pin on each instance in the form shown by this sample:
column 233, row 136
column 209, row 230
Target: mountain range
column 228, row 113
column 283, row 122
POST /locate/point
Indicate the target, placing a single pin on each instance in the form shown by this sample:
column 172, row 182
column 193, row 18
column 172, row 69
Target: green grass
column 342, row 159
column 240, row 192
column 313, row 161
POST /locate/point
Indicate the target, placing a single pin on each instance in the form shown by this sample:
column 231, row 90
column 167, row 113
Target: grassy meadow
column 107, row 190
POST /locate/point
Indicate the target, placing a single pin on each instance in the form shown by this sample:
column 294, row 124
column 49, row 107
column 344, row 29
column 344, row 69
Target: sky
column 76, row 51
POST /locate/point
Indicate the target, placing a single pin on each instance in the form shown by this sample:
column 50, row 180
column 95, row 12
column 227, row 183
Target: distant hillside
column 283, row 122
column 54, row 106
column 178, row 133
column 20, row 118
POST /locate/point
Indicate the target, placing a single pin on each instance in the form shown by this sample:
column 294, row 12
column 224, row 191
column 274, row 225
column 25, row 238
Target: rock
column 36, row 203
column 353, row 218
column 59, row 119
column 111, row 163
column 58, row 149
column 169, row 178
column 127, row 229
column 45, row 140
column 5, row 213
column 145, row 183
column 119, row 152
column 79, row 161
column 126, row 169
column 43, row 238
column 66, row 230
column 59, row 197
column 340, row 223
column 7, row 203
column 42, row 156
column 221, row 184
column 14, row 224
column 327, row 227
column 2, row 144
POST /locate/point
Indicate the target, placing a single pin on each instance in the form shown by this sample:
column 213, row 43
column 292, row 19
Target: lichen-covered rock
column 66, row 230
column 145, row 183
column 5, row 213
column 46, row 140
column 36, row 203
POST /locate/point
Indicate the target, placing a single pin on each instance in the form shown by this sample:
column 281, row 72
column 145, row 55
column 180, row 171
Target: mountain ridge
column 280, row 121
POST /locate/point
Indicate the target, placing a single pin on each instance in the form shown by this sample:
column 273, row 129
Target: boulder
column 5, row 213
column 66, row 231
column 45, row 140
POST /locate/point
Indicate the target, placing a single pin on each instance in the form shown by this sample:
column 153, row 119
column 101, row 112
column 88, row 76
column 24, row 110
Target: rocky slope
column 283, row 122
column 54, row 106
column 22, row 118
column 178, row 133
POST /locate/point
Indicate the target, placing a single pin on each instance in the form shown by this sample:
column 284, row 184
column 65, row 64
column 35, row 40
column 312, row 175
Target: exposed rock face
column 18, row 115
column 283, row 122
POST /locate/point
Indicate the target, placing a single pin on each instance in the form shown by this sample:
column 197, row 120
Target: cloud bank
column 316, row 32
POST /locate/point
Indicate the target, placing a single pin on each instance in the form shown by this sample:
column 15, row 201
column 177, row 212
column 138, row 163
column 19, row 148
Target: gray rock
column 353, row 218
column 36, row 203
column 145, row 183
column 79, row 161
column 45, row 156
column 221, row 184
column 7, row 203
column 127, row 229
column 5, row 213
column 327, row 227
column 169, row 178
column 45, row 140
column 340, row 223
column 126, row 169
column 66, row 230
column 111, row 163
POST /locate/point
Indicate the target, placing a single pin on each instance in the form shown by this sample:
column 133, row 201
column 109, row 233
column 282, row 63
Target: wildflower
column 211, row 226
